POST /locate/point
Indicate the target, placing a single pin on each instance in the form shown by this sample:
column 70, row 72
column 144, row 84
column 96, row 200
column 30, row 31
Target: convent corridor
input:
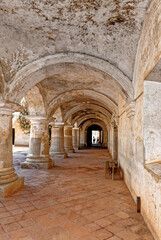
column 71, row 201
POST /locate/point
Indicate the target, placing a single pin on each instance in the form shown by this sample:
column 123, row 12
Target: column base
column 10, row 188
column 59, row 155
column 38, row 163
column 76, row 148
column 71, row 150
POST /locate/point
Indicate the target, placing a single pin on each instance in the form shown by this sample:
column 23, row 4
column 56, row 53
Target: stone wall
column 131, row 154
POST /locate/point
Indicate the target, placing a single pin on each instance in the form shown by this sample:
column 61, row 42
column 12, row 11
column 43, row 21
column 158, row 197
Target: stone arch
column 72, row 95
column 83, row 130
column 80, row 119
column 91, row 116
column 94, row 107
column 48, row 66
column 36, row 105
column 149, row 46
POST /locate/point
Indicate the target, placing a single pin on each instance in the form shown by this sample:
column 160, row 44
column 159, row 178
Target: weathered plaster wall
column 152, row 121
column 149, row 46
column 131, row 156
column 21, row 139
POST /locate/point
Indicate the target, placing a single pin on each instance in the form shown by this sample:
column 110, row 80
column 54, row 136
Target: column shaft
column 9, row 181
column 76, row 139
column 57, row 141
column 68, row 139
column 38, row 156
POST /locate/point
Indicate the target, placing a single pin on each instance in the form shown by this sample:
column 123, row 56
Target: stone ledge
column 10, row 188
column 154, row 169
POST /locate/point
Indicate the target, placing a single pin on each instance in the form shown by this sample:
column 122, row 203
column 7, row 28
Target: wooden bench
column 112, row 167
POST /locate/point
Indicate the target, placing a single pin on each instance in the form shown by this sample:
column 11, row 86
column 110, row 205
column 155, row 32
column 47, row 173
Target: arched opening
column 94, row 136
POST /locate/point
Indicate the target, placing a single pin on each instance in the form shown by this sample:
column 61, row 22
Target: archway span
column 48, row 66
column 83, row 94
column 36, row 105
column 86, row 124
column 83, row 106
column 90, row 117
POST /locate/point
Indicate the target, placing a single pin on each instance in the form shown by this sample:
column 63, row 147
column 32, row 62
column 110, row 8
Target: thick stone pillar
column 38, row 156
column 76, row 138
column 9, row 181
column 68, row 139
column 57, row 140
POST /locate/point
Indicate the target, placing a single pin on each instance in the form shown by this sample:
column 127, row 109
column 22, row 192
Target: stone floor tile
column 73, row 201
column 102, row 234
column 36, row 232
column 16, row 211
column 26, row 223
column 91, row 227
column 18, row 234
column 11, row 227
column 113, row 218
column 115, row 228
column 89, row 237
column 4, row 236
column 114, row 238
column 59, row 233
column 122, row 214
column 75, row 229
column 103, row 222
column 126, row 235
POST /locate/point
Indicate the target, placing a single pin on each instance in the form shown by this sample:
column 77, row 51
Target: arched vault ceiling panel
column 82, row 115
column 85, row 124
column 84, row 119
column 35, row 102
column 73, row 80
column 81, row 95
column 108, row 29
column 69, row 107
column 49, row 66
column 87, row 108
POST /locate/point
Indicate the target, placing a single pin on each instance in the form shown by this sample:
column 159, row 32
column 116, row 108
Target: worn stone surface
column 90, row 207
column 152, row 123
column 38, row 28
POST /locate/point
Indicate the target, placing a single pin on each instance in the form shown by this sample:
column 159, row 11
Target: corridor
column 71, row 201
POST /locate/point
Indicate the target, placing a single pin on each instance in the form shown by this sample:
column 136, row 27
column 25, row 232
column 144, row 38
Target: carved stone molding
column 130, row 109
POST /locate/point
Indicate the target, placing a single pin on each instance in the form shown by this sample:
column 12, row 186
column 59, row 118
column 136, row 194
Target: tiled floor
column 71, row 201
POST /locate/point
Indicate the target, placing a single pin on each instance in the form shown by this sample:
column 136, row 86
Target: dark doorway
column 94, row 136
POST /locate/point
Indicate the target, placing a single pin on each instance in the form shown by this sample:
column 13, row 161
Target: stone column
column 38, row 156
column 9, row 181
column 68, row 139
column 76, row 141
column 57, row 140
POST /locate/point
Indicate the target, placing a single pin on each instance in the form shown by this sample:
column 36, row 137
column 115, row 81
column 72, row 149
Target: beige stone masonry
column 68, row 138
column 76, row 141
column 57, row 140
column 38, row 156
column 129, row 107
column 9, row 181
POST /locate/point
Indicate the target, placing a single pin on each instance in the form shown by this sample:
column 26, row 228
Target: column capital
column 8, row 108
column 76, row 128
column 57, row 124
column 39, row 119
column 69, row 125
